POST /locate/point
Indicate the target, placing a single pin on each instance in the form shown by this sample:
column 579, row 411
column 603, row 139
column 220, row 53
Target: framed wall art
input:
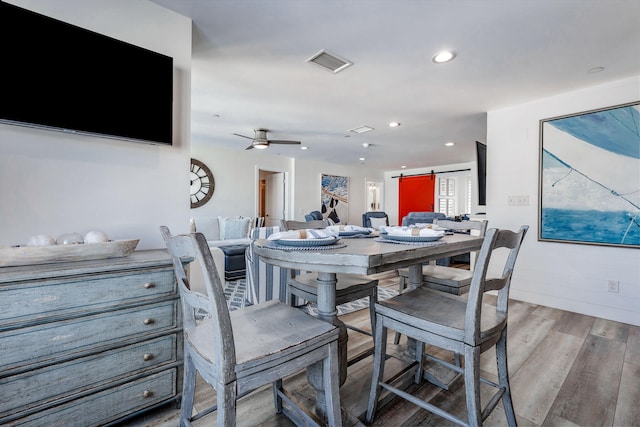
column 334, row 198
column 589, row 178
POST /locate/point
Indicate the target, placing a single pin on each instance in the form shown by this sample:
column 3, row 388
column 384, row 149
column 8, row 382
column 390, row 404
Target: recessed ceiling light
column 403, row 167
column 394, row 124
column 595, row 70
column 304, row 147
column 361, row 129
column 449, row 144
column 443, row 56
column 362, row 159
column 366, row 144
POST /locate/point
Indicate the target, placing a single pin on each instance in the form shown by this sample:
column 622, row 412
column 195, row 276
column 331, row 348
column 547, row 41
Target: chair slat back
column 494, row 240
column 194, row 246
column 302, row 225
column 479, row 225
column 474, row 227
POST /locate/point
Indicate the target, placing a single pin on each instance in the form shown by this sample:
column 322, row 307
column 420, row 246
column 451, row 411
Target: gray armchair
column 422, row 218
column 313, row 216
column 366, row 219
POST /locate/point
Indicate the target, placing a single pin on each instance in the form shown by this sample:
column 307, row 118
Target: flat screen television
column 62, row 77
column 481, row 160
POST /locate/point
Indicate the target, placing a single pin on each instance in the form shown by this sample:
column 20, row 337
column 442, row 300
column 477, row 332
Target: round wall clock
column 202, row 183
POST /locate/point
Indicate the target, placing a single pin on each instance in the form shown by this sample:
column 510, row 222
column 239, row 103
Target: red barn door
column 415, row 194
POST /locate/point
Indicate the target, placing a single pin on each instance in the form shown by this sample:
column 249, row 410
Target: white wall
column 567, row 276
column 235, row 173
column 307, row 191
column 52, row 182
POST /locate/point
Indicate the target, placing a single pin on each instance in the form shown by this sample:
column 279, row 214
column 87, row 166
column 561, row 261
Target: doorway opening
column 272, row 192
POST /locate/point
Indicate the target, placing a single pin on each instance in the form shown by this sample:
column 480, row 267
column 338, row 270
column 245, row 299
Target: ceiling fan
column 260, row 141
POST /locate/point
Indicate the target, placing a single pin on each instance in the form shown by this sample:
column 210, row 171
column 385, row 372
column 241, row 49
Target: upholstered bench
column 234, row 265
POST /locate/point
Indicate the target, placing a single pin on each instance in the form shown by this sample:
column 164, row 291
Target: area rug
column 235, row 294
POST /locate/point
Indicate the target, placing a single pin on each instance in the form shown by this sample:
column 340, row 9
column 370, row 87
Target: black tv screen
column 62, row 77
column 481, row 157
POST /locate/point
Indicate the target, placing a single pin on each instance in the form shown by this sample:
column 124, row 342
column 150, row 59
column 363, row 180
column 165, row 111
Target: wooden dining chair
column 441, row 277
column 238, row 352
column 349, row 287
column 444, row 278
column 468, row 327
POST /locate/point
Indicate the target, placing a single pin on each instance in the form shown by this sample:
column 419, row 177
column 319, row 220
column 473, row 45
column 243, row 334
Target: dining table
column 364, row 255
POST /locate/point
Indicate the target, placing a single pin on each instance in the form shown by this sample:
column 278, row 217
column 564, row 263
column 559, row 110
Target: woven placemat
column 337, row 245
column 436, row 243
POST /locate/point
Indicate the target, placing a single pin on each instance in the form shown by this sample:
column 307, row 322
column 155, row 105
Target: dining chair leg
column 332, row 386
column 188, row 391
column 380, row 350
column 401, row 286
column 472, row 384
column 372, row 309
column 227, row 404
column 277, row 400
column 420, row 359
column 503, row 376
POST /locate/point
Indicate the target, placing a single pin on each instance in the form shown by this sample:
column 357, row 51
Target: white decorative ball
column 41, row 240
column 69, row 239
column 96, row 237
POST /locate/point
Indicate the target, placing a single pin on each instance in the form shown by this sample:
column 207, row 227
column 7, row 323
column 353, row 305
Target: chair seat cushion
column 349, row 287
column 439, row 312
column 449, row 276
column 264, row 334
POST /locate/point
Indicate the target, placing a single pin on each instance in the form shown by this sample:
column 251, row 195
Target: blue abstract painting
column 590, row 177
column 334, row 198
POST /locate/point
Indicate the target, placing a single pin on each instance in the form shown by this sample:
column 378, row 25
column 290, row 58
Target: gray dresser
column 88, row 343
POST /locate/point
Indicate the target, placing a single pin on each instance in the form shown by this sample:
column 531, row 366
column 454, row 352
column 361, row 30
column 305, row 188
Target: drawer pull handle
column 147, row 357
column 148, row 321
column 147, row 394
column 149, row 285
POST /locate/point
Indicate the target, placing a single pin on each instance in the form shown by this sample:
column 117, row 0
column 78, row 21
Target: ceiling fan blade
column 237, row 134
column 276, row 141
column 249, row 147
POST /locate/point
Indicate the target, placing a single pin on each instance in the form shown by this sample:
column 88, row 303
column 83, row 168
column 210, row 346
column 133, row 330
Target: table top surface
column 366, row 255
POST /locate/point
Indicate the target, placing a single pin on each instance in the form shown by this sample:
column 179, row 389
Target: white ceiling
column 249, row 70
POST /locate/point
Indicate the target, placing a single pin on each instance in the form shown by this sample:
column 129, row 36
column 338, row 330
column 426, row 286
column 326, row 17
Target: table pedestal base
column 327, row 312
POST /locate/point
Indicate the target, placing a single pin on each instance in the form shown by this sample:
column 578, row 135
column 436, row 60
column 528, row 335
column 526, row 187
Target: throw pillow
column 234, row 228
column 377, row 222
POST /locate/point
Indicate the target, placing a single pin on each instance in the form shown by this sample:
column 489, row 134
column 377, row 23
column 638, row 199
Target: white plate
column 307, row 242
column 411, row 238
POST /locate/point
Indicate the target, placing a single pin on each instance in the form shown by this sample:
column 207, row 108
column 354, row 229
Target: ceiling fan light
column 260, row 145
column 444, row 56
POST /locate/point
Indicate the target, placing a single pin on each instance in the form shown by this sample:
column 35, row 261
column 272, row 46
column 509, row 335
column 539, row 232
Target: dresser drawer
column 107, row 405
column 21, row 349
column 65, row 297
column 33, row 389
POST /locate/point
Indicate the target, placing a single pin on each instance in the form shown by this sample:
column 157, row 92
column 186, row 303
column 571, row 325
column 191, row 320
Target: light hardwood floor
column 566, row 369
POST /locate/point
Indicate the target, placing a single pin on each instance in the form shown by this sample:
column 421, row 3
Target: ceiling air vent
column 361, row 129
column 329, row 61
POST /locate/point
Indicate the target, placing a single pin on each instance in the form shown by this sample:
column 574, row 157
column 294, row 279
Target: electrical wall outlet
column 511, row 200
column 613, row 286
column 522, row 200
